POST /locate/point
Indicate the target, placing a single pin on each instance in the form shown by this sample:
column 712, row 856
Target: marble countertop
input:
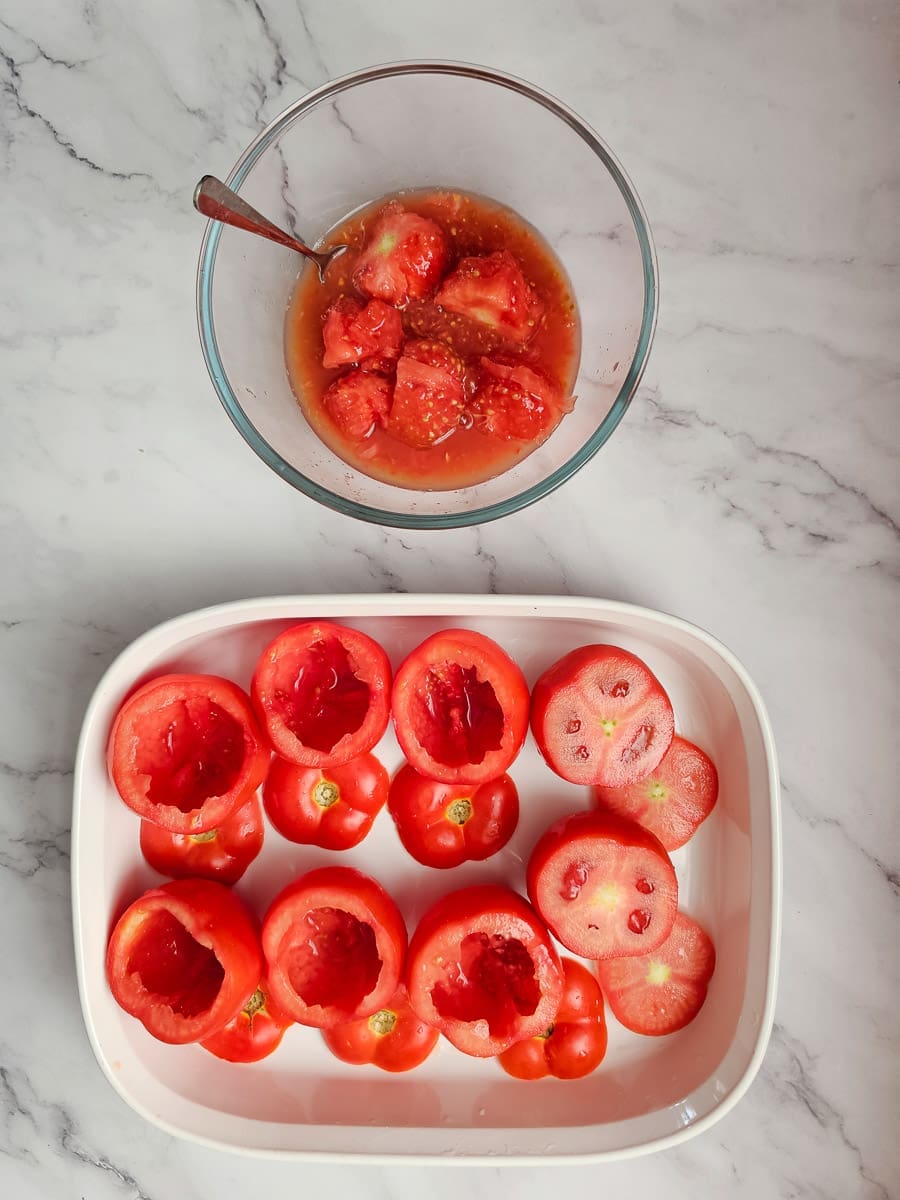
column 752, row 488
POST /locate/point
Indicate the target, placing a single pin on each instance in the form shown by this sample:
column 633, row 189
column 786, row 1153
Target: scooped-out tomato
column 254, row 1033
column 223, row 853
column 600, row 716
column 393, row 1038
column 575, row 1044
column 445, row 824
column 322, row 691
column 460, row 707
column 662, row 991
column 482, row 969
column 674, row 799
column 184, row 958
column 332, row 807
column 185, row 751
column 603, row 885
column 335, row 943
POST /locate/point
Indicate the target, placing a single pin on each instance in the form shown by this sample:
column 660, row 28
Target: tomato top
column 460, row 707
column 482, row 969
column 184, row 958
column 322, row 692
column 334, row 942
column 184, row 750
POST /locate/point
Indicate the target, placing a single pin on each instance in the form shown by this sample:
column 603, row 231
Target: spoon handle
column 218, row 202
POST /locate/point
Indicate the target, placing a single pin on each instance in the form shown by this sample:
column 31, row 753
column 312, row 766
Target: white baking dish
column 649, row 1092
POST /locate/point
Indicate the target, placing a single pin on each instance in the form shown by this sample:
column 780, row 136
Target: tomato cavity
column 189, row 750
column 318, row 695
column 174, row 967
column 335, row 963
column 457, row 718
column 493, row 982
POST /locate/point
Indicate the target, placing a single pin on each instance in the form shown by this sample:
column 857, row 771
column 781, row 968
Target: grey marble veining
column 752, row 488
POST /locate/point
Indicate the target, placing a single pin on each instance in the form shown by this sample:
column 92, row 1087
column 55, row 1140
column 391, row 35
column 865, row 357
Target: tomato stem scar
column 383, row 1022
column 459, row 811
column 326, row 793
column 209, row 836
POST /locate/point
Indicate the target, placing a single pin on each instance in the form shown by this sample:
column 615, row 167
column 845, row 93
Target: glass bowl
column 413, row 125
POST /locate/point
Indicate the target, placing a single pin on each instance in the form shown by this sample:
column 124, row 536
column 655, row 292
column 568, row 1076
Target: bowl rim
column 521, row 500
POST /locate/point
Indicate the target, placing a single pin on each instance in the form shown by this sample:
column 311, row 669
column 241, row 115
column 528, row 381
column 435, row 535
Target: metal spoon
column 214, row 200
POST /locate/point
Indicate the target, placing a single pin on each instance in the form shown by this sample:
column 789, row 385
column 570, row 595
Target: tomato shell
column 332, row 807
column 185, row 750
column 322, row 691
column 223, row 853
column 482, row 969
column 674, row 799
column 661, row 991
column 460, row 707
column 335, row 943
column 575, row 1044
column 393, row 1038
column 254, row 1033
column 604, row 886
column 184, row 958
column 600, row 716
column 446, row 824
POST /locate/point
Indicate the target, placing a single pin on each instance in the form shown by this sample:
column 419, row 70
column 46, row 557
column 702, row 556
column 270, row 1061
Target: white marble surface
column 752, row 488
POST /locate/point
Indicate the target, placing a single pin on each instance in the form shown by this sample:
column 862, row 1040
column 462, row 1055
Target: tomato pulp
column 393, row 1038
column 440, row 271
column 482, row 969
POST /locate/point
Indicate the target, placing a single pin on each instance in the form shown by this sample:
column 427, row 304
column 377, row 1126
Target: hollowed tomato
column 604, row 885
column 322, row 692
column 254, row 1033
column 482, row 969
column 460, row 707
column 185, row 751
column 223, row 853
column 600, row 716
column 334, row 942
column 184, row 958
column 393, row 1038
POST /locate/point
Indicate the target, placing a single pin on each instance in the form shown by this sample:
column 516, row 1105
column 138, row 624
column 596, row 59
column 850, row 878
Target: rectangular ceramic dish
column 649, row 1093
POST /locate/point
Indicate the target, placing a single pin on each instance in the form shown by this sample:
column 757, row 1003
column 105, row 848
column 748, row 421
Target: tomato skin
column 460, row 707
column 445, row 824
column 159, row 745
column 674, row 799
column 482, row 970
column 331, row 807
column 576, row 1043
column 223, row 854
column 662, row 991
column 604, row 886
column 348, row 713
column 190, row 930
column 254, row 1033
column 335, row 944
column 405, row 1044
column 601, row 717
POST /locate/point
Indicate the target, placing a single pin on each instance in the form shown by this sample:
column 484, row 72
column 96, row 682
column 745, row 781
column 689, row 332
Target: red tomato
column 491, row 289
column 482, row 969
column 403, row 258
column 393, row 1038
column 664, row 990
column 223, row 853
column 184, row 958
column 428, row 403
column 254, row 1033
column 515, row 402
column 604, row 885
column 435, row 354
column 674, row 799
column 357, row 402
column 332, row 807
column 185, row 751
column 354, row 331
column 334, row 942
column 460, row 707
column 322, row 692
column 445, row 824
column 600, row 716
column 574, row 1045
